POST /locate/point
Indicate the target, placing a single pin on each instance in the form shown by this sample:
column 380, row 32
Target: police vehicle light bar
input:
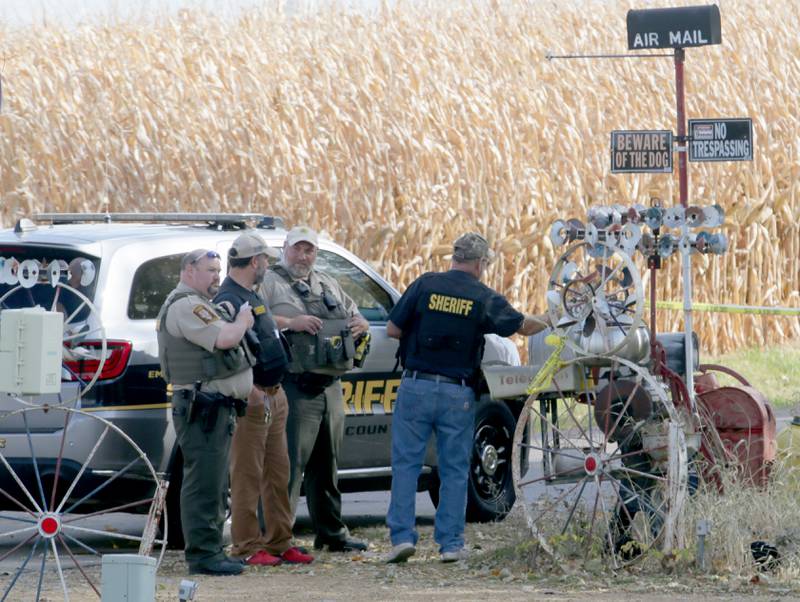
column 213, row 219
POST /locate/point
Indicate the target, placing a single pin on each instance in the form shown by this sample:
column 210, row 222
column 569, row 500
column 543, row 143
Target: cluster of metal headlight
column 622, row 228
column 29, row 272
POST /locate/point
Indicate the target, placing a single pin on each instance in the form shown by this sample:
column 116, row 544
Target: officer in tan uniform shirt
column 315, row 314
column 210, row 372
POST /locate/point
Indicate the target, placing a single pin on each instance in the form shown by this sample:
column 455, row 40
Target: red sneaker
column 263, row 558
column 295, row 556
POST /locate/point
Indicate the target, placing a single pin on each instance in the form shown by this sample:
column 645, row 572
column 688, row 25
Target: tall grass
column 743, row 515
column 397, row 131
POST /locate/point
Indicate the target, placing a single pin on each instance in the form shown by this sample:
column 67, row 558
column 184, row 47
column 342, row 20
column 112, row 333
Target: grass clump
column 741, row 514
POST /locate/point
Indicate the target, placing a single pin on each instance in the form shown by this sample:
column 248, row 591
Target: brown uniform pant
column 260, row 469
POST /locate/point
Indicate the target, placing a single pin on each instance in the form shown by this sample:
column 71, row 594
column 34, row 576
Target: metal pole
column 686, row 262
column 683, row 143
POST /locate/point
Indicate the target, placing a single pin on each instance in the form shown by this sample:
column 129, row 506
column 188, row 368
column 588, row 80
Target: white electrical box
column 128, row 578
column 31, row 341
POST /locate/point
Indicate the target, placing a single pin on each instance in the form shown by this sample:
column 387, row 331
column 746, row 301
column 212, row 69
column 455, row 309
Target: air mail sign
column 674, row 27
column 641, row 151
column 720, row 139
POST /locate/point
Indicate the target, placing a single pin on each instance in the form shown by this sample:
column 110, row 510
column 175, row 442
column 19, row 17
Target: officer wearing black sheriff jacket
column 440, row 321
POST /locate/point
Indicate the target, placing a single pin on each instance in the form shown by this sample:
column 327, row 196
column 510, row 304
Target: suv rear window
column 42, row 293
column 152, row 282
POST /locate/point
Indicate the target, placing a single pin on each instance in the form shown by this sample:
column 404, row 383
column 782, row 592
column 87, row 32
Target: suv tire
column 490, row 488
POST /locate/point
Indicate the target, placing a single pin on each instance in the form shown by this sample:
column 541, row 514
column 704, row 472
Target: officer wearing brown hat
column 316, row 314
column 202, row 357
column 259, row 456
column 441, row 321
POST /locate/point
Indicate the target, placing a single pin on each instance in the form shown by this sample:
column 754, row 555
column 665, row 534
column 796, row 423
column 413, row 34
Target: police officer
column 441, row 321
column 259, row 457
column 321, row 323
column 202, row 358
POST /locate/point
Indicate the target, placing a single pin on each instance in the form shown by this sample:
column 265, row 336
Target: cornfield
column 397, row 130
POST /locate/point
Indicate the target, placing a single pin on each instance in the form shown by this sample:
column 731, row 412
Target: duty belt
column 439, row 378
column 204, row 407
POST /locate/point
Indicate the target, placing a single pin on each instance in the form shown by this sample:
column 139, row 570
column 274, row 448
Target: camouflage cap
column 250, row 244
column 471, row 246
column 301, row 234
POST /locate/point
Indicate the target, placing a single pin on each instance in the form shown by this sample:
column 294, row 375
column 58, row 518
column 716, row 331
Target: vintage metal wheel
column 52, row 499
column 595, row 300
column 608, row 463
column 85, row 347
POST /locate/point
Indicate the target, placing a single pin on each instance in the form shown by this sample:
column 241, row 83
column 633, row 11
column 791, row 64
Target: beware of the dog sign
column 641, row 151
column 674, row 27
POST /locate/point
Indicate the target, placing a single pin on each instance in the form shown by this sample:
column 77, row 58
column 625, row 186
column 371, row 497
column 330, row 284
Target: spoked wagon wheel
column 55, row 510
column 85, row 348
column 595, row 299
column 608, row 463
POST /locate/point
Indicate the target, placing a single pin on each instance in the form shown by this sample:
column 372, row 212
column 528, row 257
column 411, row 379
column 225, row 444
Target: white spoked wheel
column 595, row 298
column 53, row 505
column 608, row 464
column 85, row 348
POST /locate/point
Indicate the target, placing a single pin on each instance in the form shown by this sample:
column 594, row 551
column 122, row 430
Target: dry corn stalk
column 397, row 131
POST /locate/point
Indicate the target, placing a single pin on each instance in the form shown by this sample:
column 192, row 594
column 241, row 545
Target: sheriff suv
column 134, row 260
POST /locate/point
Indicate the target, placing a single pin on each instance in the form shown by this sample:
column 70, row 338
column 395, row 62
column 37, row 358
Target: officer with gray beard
column 321, row 323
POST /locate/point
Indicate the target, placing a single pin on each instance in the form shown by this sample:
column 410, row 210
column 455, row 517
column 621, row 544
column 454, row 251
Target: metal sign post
column 709, row 139
column 686, row 257
column 677, row 28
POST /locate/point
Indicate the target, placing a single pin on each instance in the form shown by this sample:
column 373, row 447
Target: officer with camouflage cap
column 202, row 358
column 321, row 323
column 441, row 321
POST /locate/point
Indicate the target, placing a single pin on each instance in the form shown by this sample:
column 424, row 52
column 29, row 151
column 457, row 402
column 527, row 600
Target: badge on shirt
column 205, row 314
column 259, row 309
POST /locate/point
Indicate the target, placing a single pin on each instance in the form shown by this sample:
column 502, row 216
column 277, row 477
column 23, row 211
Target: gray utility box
column 31, row 342
column 128, row 578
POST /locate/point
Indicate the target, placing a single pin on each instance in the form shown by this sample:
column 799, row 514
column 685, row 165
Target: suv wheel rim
column 492, row 447
column 489, row 460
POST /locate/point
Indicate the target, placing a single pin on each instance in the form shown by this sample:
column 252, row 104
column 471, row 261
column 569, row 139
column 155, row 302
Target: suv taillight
column 117, row 355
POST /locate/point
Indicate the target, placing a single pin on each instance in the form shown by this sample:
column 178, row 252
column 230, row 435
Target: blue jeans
column 447, row 410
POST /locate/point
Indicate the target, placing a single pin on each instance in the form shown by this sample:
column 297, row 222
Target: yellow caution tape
column 730, row 309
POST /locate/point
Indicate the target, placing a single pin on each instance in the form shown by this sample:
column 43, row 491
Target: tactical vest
column 267, row 347
column 332, row 349
column 184, row 363
column 447, row 335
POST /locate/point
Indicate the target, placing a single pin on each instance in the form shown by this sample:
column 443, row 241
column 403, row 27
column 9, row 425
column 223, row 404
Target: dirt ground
column 496, row 569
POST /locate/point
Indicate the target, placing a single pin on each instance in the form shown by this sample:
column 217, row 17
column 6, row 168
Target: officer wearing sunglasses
column 209, row 370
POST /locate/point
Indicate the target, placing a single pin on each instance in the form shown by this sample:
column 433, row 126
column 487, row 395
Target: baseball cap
column 301, row 234
column 471, row 246
column 249, row 244
column 193, row 257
